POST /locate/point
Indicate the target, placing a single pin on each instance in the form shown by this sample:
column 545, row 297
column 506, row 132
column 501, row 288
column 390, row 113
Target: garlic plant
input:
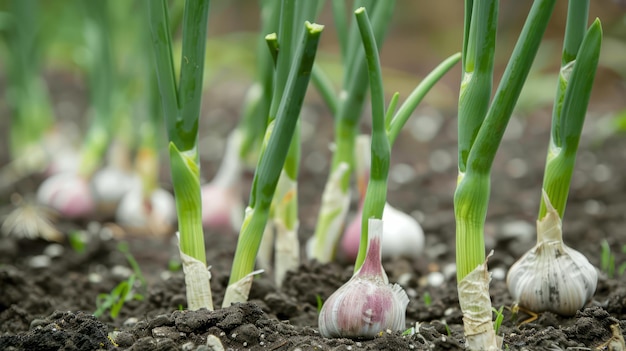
column 552, row 276
column 402, row 234
column 367, row 304
column 222, row 205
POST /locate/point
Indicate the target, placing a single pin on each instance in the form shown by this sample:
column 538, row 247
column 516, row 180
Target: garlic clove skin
column 110, row 185
column 222, row 208
column 552, row 276
column 156, row 214
column 222, row 205
column 402, row 235
column 67, row 193
column 367, row 304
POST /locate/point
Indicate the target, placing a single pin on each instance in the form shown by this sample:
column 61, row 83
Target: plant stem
column 376, row 194
column 471, row 204
column 273, row 156
column 570, row 103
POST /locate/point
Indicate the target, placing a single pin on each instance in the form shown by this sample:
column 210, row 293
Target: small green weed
column 124, row 291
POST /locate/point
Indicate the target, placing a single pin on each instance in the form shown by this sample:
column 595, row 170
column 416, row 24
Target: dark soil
column 48, row 291
column 50, row 306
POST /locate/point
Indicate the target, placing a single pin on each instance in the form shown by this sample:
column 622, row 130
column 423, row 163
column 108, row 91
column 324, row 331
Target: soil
column 50, row 305
column 49, row 291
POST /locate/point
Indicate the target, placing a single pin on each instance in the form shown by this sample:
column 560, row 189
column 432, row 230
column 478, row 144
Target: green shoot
column 124, row 291
column 181, row 108
column 385, row 129
column 607, row 259
column 428, row 300
column 174, row 265
column 77, row 240
column 481, row 126
column 336, row 196
column 114, row 301
column 320, row 303
column 273, row 155
column 123, row 248
column 497, row 322
column 581, row 51
column 101, row 81
column 27, row 95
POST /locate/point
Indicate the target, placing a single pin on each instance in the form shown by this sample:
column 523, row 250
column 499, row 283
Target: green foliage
column 124, row 291
column 428, row 300
column 77, row 241
column 114, row 301
column 497, row 322
column 320, row 303
column 607, row 260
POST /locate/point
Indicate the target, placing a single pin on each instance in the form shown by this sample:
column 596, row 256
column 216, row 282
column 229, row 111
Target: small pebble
column 440, row 161
column 121, row 272
column 601, row 173
column 436, row 279
column 214, row 343
column 498, row 273
column 402, row 173
column 130, row 322
column 123, row 339
column 517, row 230
column 165, row 332
column 449, row 270
column 94, row 277
column 54, row 250
column 39, row 261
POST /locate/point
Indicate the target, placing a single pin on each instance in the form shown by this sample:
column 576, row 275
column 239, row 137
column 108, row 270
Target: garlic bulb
column 552, row 276
column 222, row 205
column 367, row 304
column 67, row 193
column 402, row 235
column 155, row 213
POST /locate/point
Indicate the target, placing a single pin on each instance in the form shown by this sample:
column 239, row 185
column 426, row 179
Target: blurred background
column 422, row 34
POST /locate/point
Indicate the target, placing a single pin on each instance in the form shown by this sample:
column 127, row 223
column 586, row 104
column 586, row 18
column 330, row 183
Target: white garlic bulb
column 367, row 304
column 552, row 276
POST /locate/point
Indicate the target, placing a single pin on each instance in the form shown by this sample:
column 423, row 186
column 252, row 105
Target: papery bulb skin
column 402, row 235
column 552, row 276
column 222, row 205
column 156, row 214
column 67, row 193
column 110, row 185
column 222, row 208
column 367, row 304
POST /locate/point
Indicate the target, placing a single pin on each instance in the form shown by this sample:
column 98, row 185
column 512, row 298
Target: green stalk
column 570, row 106
column 27, row 95
column 376, row 194
column 479, row 44
column 255, row 115
column 278, row 139
column 417, row 95
column 332, row 212
column 472, row 193
column 101, row 84
column 181, row 108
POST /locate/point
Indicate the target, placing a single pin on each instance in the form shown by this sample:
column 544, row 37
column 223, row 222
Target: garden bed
column 48, row 291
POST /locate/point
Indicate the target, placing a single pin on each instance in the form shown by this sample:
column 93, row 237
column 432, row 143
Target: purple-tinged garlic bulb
column 367, row 304
column 67, row 193
column 222, row 206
